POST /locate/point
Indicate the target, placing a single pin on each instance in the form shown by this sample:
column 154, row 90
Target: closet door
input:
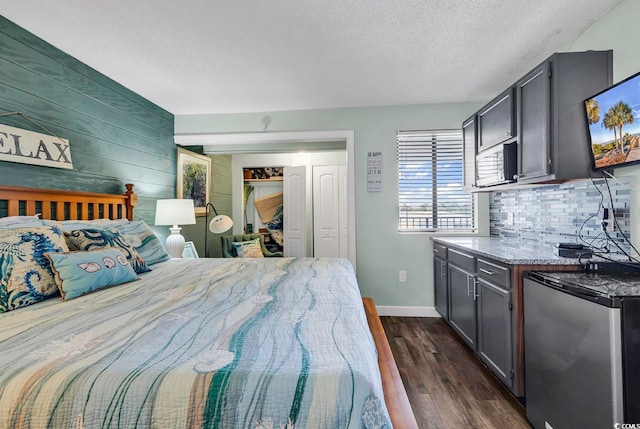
column 294, row 200
column 326, row 212
column 342, row 210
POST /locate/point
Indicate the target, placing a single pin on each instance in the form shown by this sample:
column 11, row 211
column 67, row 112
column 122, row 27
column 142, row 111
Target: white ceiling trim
column 292, row 137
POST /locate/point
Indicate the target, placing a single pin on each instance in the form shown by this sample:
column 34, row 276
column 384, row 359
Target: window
column 430, row 194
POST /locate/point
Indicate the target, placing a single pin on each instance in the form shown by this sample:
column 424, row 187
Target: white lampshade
column 175, row 212
column 220, row 224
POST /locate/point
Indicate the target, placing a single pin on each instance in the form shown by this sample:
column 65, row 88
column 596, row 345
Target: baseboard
column 407, row 311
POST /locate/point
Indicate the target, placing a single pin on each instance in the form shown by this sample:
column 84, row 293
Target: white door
column 342, row 210
column 293, row 207
column 326, row 211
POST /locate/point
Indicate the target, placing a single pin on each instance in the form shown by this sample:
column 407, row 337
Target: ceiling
column 228, row 56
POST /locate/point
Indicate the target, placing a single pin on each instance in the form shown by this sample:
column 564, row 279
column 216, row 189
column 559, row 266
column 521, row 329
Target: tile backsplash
column 560, row 213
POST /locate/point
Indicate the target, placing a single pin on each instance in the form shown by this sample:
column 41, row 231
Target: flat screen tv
column 613, row 119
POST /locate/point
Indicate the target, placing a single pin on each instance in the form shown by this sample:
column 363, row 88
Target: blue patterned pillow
column 139, row 235
column 79, row 273
column 93, row 239
column 25, row 272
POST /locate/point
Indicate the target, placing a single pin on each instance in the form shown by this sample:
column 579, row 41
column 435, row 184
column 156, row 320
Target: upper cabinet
column 552, row 126
column 496, row 121
column 469, row 142
column 543, row 114
column 534, row 125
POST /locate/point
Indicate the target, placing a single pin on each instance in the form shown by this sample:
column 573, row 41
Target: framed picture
column 189, row 250
column 194, row 172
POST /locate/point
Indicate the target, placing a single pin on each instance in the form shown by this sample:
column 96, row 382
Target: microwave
column 497, row 165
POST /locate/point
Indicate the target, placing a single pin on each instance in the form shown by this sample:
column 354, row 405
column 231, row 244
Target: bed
column 215, row 343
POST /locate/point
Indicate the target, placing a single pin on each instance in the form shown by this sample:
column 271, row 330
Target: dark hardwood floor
column 447, row 385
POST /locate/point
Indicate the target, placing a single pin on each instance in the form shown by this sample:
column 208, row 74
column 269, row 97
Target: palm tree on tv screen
column 610, row 123
column 623, row 116
column 593, row 111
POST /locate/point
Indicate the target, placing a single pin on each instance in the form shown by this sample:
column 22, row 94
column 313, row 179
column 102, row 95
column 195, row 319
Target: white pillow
column 71, row 225
column 248, row 249
column 11, row 222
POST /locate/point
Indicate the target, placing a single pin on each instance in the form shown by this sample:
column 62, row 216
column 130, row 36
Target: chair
column 229, row 252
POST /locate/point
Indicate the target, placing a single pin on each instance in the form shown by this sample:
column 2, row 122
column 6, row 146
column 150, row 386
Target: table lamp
column 175, row 212
column 218, row 225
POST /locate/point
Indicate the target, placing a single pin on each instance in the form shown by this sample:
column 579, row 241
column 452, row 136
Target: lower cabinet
column 474, row 295
column 441, row 287
column 495, row 334
column 462, row 304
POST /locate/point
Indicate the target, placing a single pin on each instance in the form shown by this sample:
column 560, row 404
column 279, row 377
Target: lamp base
column 175, row 242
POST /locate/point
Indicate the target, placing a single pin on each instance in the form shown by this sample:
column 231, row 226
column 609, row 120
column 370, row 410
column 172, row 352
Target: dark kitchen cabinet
column 533, row 126
column 441, row 287
column 496, row 120
column 543, row 113
column 462, row 304
column 495, row 337
column 485, row 306
column 552, row 128
column 469, row 149
column 474, row 295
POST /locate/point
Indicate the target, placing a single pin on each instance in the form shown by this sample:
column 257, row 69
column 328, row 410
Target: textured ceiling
column 212, row 56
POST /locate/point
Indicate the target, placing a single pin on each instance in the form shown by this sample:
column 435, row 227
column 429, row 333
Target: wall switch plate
column 402, row 278
column 510, row 217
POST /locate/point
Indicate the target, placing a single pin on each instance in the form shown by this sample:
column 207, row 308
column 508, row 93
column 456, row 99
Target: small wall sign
column 28, row 147
column 374, row 171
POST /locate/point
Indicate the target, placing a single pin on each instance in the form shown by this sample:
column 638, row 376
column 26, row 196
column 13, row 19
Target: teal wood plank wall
column 115, row 135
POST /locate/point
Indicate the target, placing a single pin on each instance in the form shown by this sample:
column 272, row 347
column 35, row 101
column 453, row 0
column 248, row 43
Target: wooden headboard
column 66, row 205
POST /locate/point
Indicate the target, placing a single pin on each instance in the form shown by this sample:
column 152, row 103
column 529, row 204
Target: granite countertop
column 507, row 251
column 608, row 285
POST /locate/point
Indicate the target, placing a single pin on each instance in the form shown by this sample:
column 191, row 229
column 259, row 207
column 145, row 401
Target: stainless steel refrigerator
column 582, row 350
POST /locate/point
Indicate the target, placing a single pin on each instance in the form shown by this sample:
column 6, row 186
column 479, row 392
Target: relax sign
column 27, row 147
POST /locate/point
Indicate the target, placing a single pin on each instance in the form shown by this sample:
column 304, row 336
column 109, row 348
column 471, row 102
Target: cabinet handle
column 487, row 271
column 468, row 286
column 442, row 269
column 475, row 291
column 436, row 251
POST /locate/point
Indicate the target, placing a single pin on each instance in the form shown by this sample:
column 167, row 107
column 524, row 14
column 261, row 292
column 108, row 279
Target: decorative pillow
column 141, row 237
column 18, row 219
column 25, row 272
column 79, row 273
column 248, row 249
column 71, row 225
column 93, row 239
column 20, row 222
column 275, row 226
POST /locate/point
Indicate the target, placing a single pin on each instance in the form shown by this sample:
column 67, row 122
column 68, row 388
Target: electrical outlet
column 510, row 217
column 606, row 219
column 402, row 277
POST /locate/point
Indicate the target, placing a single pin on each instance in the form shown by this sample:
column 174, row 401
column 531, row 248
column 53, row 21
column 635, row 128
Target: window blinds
column 430, row 194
